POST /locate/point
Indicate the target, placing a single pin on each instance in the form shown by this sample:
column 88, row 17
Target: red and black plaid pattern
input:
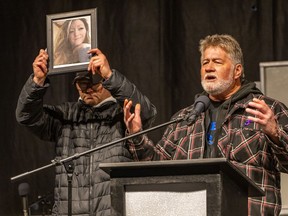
column 240, row 140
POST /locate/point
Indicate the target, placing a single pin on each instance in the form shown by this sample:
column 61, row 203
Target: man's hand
column 40, row 67
column 263, row 115
column 99, row 64
column 132, row 120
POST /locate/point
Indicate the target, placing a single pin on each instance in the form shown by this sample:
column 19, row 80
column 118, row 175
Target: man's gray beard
column 218, row 88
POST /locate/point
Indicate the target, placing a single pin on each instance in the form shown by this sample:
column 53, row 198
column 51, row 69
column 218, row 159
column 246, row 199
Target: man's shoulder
column 183, row 111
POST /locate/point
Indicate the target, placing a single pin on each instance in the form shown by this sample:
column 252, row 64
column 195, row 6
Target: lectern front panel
column 166, row 199
column 170, row 188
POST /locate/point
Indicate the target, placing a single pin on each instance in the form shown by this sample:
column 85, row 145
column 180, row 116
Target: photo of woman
column 71, row 41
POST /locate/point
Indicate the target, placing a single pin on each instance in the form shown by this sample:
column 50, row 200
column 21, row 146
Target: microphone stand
column 69, row 165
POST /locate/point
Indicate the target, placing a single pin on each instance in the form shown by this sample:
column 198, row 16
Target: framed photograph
column 69, row 36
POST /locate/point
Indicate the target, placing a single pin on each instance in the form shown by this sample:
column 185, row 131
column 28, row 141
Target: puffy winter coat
column 75, row 128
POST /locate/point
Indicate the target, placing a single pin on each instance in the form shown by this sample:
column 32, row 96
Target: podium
column 180, row 187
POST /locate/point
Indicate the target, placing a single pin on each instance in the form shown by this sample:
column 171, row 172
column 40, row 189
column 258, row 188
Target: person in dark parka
column 95, row 119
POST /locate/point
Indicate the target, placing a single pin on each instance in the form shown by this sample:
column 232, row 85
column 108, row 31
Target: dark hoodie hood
column 246, row 89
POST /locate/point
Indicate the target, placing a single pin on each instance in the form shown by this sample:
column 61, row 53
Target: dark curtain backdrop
column 153, row 42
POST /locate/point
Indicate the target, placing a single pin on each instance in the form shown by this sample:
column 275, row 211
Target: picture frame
column 69, row 36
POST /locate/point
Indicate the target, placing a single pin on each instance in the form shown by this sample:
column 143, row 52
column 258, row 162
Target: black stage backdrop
column 153, row 42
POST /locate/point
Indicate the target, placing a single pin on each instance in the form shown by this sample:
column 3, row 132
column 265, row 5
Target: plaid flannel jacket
column 240, row 140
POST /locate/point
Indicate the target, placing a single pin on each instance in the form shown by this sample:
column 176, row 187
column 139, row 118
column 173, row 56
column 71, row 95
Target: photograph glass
column 69, row 36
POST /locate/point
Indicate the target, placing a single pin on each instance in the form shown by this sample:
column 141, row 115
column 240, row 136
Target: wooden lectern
column 181, row 187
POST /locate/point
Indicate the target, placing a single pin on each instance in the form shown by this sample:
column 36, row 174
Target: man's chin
column 90, row 101
column 209, row 88
column 213, row 91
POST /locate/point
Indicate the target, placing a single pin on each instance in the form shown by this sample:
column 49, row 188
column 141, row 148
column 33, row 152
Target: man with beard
column 241, row 124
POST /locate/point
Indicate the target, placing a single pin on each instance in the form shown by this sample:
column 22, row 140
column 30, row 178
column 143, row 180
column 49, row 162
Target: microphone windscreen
column 204, row 100
column 23, row 189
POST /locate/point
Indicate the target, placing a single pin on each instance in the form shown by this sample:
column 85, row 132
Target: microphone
column 23, row 190
column 201, row 104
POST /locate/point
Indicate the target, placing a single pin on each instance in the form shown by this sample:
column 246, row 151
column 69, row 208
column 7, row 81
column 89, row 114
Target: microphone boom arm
column 201, row 104
column 55, row 162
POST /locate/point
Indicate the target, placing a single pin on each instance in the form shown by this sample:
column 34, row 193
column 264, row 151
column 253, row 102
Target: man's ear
column 238, row 71
column 105, row 91
column 100, row 87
